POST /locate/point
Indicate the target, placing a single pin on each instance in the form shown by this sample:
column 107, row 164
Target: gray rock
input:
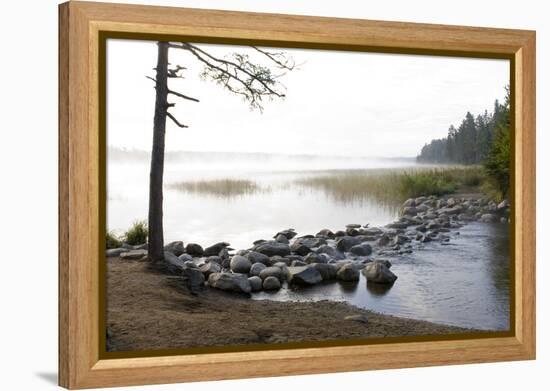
column 256, row 268
column 288, row 233
column 303, row 275
column 379, row 273
column 327, row 270
column 314, row 258
column 503, row 205
column 209, row 268
column 348, row 272
column 398, row 225
column 272, row 271
column 325, row 233
column 194, row 278
column 271, row 284
column 133, row 254
column 175, row 248
column 273, row 248
column 256, row 257
column 330, row 251
column 230, row 282
column 190, row 264
column 172, row 263
column 410, row 202
column 215, row 249
column 353, row 225
column 281, row 239
column 185, row 257
column 298, row 248
column 361, row 249
column 239, row 264
column 255, row 283
column 115, row 252
column 345, row 243
column 194, row 249
column 384, row 240
column 312, row 242
column 215, row 259
column 298, row 263
column 410, row 211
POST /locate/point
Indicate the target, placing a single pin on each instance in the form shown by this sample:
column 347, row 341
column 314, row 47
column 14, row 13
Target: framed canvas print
column 247, row 195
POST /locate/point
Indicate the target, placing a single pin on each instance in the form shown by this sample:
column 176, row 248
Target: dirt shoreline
column 147, row 310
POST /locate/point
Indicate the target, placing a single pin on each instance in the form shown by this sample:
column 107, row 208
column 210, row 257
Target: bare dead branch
column 151, row 78
column 169, row 115
column 288, row 64
column 183, row 96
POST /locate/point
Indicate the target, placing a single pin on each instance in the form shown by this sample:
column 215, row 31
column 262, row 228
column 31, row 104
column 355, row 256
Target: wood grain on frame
column 80, row 365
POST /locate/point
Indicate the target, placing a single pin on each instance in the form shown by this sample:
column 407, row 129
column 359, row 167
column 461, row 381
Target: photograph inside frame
column 267, row 196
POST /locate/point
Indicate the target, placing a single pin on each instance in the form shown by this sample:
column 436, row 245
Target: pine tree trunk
column 156, row 233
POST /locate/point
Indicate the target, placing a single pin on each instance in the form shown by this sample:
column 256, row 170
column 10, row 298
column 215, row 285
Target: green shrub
column 137, row 234
column 112, row 240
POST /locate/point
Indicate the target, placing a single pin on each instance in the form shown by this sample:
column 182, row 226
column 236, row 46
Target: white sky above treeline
column 338, row 103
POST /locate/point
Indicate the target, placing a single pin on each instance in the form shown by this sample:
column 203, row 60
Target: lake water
column 464, row 284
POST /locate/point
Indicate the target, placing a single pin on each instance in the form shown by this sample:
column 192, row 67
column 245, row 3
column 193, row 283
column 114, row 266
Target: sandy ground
column 147, row 310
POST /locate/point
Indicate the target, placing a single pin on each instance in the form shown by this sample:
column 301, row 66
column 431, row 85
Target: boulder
column 409, row 203
column 256, row 257
column 194, row 249
column 281, row 239
column 115, row 252
column 325, row 233
column 345, row 243
column 348, row 272
column 327, row 270
column 409, row 211
column 173, row 264
column 255, row 283
column 288, row 233
column 215, row 259
column 271, row 284
column 215, row 249
column 298, row 248
column 379, row 273
column 175, row 248
column 312, row 242
column 240, row 264
column 272, row 248
column 194, row 278
column 503, row 205
column 398, row 225
column 298, row 263
column 230, row 282
column 133, row 254
column 330, row 251
column 361, row 249
column 209, row 268
column 384, row 240
column 185, row 257
column 256, row 268
column 272, row 271
column 303, row 275
column 314, row 258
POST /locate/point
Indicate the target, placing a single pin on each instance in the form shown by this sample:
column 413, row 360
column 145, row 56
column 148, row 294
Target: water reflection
column 378, row 289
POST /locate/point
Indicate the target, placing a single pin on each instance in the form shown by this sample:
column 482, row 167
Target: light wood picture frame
column 83, row 28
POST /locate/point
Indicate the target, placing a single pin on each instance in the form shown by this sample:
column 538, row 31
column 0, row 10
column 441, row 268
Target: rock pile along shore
column 327, row 255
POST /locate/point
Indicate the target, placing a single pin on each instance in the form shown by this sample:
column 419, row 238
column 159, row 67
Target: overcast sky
column 338, row 103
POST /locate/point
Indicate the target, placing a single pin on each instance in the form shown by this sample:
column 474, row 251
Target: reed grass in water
column 223, row 188
column 392, row 186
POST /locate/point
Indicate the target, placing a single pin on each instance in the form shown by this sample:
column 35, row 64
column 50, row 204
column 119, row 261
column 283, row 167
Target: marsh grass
column 221, row 188
column 391, row 187
column 136, row 234
column 112, row 240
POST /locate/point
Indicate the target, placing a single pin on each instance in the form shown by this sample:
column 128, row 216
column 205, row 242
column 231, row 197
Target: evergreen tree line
column 484, row 139
column 470, row 142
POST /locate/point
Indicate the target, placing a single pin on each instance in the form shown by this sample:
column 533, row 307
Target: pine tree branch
column 183, row 96
column 175, row 120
